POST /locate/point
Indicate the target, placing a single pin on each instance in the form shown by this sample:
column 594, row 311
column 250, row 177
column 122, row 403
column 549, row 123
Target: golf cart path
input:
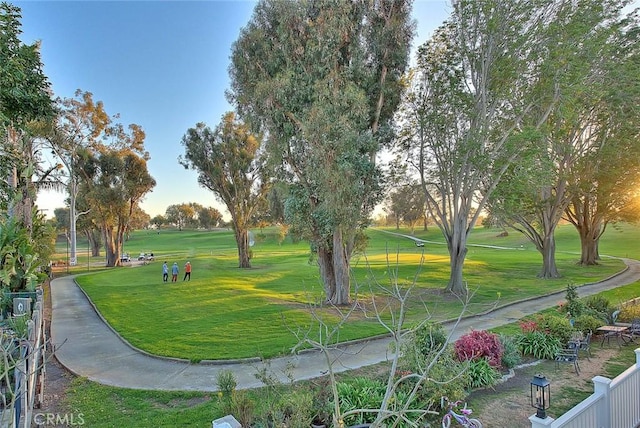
column 87, row 346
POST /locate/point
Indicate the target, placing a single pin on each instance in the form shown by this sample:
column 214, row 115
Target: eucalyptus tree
column 81, row 123
column 230, row 163
column 479, row 91
column 24, row 97
column 209, row 217
column 322, row 79
column 116, row 180
column 180, row 215
column 575, row 154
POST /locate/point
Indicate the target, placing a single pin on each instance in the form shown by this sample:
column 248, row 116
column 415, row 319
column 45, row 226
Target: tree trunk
column 457, row 255
column 590, row 233
column 95, row 241
column 589, row 251
column 340, row 269
column 325, row 263
column 72, row 218
column 548, row 250
column 242, row 240
column 457, row 246
column 110, row 247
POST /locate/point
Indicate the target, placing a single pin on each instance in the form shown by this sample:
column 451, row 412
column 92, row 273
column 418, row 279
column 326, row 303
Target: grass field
column 225, row 312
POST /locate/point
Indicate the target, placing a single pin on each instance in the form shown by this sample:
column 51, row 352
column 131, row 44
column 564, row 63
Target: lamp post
column 540, row 395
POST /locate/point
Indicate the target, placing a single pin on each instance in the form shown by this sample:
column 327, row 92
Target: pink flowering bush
column 528, row 326
column 477, row 345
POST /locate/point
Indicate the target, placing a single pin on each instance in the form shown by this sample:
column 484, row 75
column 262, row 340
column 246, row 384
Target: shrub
column 242, row 407
column 574, row 305
column 429, row 337
column 360, row 393
column 586, row 323
column 528, row 326
column 538, row 344
column 629, row 313
column 555, row 326
column 296, row 409
column 477, row 345
column 598, row 306
column 449, row 377
column 482, row 374
column 226, row 381
column 511, row 355
column 421, row 343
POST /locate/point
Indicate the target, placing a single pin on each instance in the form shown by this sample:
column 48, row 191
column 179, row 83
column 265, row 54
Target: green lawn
column 225, row 312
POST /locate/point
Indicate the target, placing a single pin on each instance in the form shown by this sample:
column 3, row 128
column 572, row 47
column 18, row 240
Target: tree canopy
column 230, row 164
column 323, row 79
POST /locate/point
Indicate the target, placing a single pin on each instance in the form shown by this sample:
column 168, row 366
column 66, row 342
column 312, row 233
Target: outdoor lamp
column 540, row 395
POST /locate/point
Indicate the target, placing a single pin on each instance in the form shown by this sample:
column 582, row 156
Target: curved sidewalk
column 88, row 347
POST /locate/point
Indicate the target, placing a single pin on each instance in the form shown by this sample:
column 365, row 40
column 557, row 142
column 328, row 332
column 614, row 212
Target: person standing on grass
column 187, row 271
column 174, row 272
column 165, row 272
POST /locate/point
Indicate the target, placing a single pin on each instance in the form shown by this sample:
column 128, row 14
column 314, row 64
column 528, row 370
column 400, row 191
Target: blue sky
column 160, row 64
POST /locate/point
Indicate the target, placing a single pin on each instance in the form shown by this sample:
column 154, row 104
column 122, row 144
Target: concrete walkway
column 88, row 347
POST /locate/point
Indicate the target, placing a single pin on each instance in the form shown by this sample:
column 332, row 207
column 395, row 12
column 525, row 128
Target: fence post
column 536, row 422
column 601, row 387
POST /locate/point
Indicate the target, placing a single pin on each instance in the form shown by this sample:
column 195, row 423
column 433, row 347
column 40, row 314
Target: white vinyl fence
column 613, row 404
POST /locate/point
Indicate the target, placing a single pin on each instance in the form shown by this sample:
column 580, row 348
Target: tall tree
column 608, row 176
column 81, row 123
column 181, row 215
column 324, row 78
column 117, row 180
column 229, row 163
column 580, row 128
column 24, row 97
column 209, row 217
column 483, row 85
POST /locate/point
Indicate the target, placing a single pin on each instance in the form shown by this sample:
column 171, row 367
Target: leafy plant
column 538, row 344
column 425, row 339
column 482, row 374
column 511, row 355
column 447, row 376
column 629, row 313
column 559, row 327
column 477, row 345
column 19, row 325
column 574, row 306
column 20, row 265
column 296, row 409
column 243, row 408
column 584, row 323
column 598, row 305
column 360, row 393
column 226, row 381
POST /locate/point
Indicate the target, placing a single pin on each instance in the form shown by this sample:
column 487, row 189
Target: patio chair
column 634, row 330
column 584, row 344
column 569, row 355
